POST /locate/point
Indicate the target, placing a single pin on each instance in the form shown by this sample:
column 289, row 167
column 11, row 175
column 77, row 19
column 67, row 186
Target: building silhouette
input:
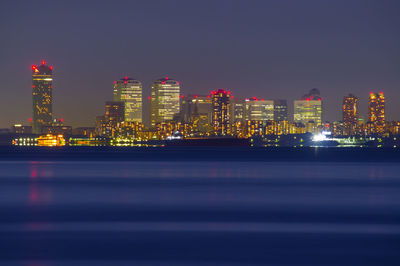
column 42, row 88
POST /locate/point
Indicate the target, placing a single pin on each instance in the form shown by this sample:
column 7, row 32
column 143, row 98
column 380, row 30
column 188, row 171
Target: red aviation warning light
column 149, row 97
column 51, row 67
column 43, row 62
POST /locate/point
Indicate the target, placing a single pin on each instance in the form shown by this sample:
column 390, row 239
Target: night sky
column 268, row 49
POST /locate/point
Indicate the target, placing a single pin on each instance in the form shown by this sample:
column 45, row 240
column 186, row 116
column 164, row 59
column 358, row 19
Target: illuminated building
column 254, row 128
column 167, row 129
column 201, row 124
column 129, row 91
column 50, row 140
column 42, row 80
column 259, row 109
column 308, row 110
column 280, row 110
column 165, row 102
column 350, row 114
column 196, row 104
column 221, row 115
column 376, row 113
column 114, row 114
column 129, row 130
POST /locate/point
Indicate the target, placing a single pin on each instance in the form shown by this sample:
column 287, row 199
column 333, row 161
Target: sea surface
column 198, row 212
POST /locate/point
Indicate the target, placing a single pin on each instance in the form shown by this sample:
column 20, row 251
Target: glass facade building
column 130, row 91
column 259, row 109
column 308, row 110
column 42, row 88
column 165, row 101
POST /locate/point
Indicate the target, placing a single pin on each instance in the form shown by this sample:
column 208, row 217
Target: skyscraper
column 259, row 109
column 42, row 80
column 129, row 91
column 280, row 110
column 350, row 114
column 308, row 110
column 221, row 112
column 165, row 102
column 376, row 112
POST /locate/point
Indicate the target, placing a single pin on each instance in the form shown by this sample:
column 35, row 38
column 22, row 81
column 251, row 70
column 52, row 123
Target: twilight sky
column 269, row 49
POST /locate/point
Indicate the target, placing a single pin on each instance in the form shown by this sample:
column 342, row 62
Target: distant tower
column 42, row 80
column 259, row 109
column 129, row 91
column 165, row 101
column 376, row 112
column 308, row 110
column 280, row 110
column 350, row 114
column 221, row 100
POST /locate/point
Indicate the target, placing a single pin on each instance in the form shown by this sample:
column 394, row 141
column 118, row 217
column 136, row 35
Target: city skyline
column 130, row 91
column 270, row 50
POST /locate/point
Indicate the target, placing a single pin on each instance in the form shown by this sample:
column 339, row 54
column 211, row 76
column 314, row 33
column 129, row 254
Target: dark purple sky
column 268, row 49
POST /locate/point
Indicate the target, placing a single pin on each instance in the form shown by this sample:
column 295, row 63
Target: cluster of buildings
column 174, row 115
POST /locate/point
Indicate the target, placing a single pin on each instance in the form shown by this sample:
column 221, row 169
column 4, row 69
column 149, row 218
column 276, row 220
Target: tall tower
column 129, row 91
column 165, row 102
column 376, row 112
column 42, row 80
column 221, row 116
column 350, row 114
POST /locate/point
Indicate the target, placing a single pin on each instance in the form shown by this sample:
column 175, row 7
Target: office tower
column 308, row 110
column 259, row 109
column 114, row 115
column 165, row 102
column 376, row 112
column 350, row 114
column 42, row 80
column 221, row 100
column 129, row 91
column 195, row 104
column 280, row 110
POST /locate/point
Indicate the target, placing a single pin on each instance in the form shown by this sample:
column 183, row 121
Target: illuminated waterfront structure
column 165, row 101
column 280, row 110
column 221, row 100
column 259, row 109
column 308, row 110
column 350, row 114
column 42, row 80
column 376, row 113
column 129, row 91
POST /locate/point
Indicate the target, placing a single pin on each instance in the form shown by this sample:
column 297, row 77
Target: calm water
column 199, row 213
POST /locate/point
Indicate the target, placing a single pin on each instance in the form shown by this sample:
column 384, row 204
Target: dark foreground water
column 143, row 212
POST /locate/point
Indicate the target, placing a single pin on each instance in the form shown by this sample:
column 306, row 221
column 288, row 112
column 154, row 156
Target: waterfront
column 207, row 212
